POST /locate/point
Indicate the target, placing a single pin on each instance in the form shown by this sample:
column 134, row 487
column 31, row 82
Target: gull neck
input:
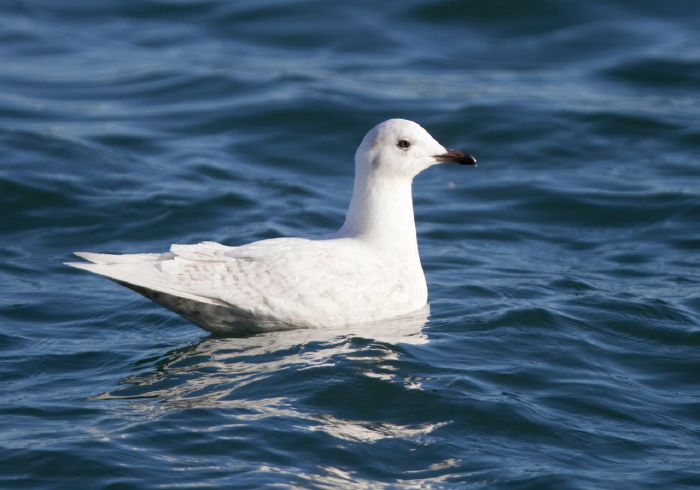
column 381, row 212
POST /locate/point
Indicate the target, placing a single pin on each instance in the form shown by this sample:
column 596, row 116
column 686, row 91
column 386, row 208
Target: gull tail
column 139, row 272
column 119, row 259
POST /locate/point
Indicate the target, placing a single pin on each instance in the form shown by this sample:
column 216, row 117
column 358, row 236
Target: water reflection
column 332, row 389
column 235, row 371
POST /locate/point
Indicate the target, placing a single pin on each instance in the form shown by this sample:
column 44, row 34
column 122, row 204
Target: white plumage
column 367, row 271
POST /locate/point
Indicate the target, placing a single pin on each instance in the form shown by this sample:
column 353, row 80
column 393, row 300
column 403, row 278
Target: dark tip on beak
column 456, row 156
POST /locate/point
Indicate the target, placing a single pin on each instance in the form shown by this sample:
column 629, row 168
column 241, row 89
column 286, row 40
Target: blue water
column 563, row 346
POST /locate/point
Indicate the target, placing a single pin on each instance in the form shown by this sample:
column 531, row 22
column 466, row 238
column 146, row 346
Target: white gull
column 367, row 271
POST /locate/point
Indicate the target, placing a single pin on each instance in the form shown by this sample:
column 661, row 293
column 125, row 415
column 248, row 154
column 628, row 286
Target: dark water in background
column 562, row 349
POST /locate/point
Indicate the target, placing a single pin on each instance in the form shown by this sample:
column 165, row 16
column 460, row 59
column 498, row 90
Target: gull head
column 402, row 148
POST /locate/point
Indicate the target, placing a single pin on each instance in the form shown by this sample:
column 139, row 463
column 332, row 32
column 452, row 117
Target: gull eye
column 403, row 144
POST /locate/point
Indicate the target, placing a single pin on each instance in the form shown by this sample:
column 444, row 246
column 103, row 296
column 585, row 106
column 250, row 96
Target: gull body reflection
column 327, row 394
column 217, row 371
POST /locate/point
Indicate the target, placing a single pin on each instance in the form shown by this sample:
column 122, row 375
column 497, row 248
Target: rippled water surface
column 562, row 348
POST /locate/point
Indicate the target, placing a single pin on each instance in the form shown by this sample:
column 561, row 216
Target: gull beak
column 456, row 156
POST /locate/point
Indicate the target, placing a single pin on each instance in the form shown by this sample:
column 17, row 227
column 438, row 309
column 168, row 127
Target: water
column 562, row 346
